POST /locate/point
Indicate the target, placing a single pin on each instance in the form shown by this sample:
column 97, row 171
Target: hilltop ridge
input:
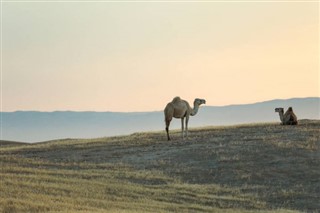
column 43, row 126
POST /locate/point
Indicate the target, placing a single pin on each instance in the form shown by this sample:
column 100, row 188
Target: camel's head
column 280, row 110
column 199, row 101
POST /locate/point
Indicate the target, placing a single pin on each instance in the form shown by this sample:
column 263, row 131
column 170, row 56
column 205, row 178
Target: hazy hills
column 33, row 126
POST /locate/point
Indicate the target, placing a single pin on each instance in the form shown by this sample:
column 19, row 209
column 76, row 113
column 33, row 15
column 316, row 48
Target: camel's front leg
column 182, row 127
column 187, row 121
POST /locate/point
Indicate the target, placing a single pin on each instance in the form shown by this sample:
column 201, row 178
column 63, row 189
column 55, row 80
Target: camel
column 179, row 108
column 288, row 118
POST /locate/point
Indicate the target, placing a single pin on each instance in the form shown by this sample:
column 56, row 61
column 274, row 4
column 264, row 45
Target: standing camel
column 179, row 108
column 288, row 118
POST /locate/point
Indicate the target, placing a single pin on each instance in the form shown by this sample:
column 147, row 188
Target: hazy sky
column 137, row 56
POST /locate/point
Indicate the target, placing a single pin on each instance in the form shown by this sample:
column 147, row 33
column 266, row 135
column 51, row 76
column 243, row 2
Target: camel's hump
column 176, row 99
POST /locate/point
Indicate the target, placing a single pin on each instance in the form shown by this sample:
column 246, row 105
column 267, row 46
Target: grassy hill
column 244, row 168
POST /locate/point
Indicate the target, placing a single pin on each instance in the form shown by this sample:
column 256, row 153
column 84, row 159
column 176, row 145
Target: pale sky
column 137, row 56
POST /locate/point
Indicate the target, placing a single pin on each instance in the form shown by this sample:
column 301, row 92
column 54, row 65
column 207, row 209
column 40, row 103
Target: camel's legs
column 182, row 127
column 187, row 121
column 167, row 129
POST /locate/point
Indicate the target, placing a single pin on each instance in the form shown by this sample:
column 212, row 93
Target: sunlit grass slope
column 245, row 168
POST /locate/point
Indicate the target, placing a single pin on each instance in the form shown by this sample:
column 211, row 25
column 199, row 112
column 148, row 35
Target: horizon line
column 108, row 111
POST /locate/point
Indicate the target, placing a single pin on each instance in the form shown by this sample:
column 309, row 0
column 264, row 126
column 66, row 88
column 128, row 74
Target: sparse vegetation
column 245, row 168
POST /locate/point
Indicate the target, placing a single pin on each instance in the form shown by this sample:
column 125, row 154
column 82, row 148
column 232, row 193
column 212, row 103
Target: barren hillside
column 241, row 168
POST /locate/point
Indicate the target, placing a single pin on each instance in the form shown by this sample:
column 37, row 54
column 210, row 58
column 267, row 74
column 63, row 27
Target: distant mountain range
column 33, row 126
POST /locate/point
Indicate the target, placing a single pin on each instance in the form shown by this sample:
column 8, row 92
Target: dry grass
column 245, row 168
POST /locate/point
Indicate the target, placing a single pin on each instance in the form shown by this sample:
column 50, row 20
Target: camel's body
column 179, row 108
column 288, row 118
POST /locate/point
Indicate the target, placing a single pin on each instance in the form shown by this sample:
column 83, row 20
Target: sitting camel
column 179, row 108
column 288, row 118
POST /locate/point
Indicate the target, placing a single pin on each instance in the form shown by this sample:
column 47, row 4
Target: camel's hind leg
column 167, row 129
column 168, row 115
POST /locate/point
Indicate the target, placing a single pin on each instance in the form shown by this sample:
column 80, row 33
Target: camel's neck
column 194, row 110
column 281, row 116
